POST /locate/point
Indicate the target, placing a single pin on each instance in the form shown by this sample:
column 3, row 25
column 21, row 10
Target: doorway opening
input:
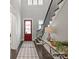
column 27, row 30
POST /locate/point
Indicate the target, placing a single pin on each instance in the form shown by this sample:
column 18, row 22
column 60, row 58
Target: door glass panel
column 28, row 27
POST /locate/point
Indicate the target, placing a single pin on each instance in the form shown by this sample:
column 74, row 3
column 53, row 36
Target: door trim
column 24, row 26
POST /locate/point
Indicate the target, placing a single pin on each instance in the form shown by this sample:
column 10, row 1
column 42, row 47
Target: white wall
column 61, row 23
column 34, row 12
column 15, row 23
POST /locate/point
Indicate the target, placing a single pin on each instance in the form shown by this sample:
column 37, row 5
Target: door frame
column 24, row 26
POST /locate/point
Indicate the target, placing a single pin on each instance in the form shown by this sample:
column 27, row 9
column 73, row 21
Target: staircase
column 53, row 7
column 51, row 13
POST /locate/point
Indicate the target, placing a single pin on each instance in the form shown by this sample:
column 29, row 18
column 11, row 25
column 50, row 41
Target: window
column 35, row 2
column 40, row 23
column 40, row 2
column 29, row 2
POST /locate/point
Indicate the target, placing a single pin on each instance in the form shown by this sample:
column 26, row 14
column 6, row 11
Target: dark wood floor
column 42, row 52
column 13, row 54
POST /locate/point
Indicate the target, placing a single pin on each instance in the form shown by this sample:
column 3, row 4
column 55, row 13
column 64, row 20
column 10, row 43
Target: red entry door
column 28, row 30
